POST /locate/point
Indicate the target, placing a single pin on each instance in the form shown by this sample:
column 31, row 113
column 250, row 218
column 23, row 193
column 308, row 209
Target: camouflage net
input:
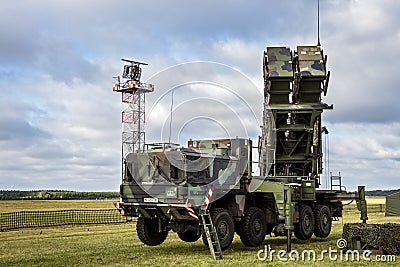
column 374, row 236
column 31, row 219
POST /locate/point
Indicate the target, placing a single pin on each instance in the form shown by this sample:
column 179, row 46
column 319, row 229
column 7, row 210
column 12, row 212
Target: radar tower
column 133, row 93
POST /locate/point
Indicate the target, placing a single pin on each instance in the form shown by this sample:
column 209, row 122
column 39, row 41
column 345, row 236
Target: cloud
column 366, row 153
column 362, row 45
column 60, row 121
column 66, row 146
column 240, row 54
column 210, row 92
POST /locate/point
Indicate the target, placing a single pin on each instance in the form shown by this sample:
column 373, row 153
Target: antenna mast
column 319, row 43
column 133, row 114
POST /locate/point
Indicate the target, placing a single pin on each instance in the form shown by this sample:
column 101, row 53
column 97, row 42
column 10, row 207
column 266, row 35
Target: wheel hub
column 257, row 226
column 307, row 222
column 222, row 230
column 325, row 220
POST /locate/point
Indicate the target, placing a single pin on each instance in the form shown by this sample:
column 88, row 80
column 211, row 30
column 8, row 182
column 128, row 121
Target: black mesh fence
column 31, row 219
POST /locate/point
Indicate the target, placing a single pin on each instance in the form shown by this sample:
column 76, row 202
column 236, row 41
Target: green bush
column 374, row 236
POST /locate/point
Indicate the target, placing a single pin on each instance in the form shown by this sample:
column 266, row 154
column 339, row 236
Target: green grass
column 118, row 245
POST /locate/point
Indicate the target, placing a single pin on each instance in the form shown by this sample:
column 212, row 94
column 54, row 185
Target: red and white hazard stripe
column 208, row 197
column 115, row 86
column 121, row 210
column 190, row 211
column 132, row 84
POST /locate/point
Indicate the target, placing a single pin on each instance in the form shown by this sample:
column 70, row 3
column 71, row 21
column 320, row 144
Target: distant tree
column 54, row 194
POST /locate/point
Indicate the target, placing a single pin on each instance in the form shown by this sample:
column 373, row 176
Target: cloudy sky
column 60, row 122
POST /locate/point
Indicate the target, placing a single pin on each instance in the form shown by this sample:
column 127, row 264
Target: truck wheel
column 147, row 231
column 304, row 229
column 323, row 221
column 224, row 226
column 189, row 236
column 254, row 227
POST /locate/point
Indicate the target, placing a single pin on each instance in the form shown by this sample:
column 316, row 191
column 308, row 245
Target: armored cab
column 178, row 175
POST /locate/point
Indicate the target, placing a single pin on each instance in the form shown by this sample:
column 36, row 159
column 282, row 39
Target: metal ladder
column 212, row 236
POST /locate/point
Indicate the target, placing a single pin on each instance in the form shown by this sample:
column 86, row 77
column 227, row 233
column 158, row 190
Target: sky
column 60, row 122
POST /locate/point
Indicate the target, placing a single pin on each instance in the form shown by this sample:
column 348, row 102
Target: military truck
column 170, row 187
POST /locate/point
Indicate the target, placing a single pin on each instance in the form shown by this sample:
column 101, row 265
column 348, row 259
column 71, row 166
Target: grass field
column 118, row 245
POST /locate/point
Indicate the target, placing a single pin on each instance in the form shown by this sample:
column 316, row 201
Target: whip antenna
column 319, row 43
column 170, row 121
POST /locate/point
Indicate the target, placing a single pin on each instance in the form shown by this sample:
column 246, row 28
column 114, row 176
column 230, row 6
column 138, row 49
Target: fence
column 31, row 219
column 372, row 208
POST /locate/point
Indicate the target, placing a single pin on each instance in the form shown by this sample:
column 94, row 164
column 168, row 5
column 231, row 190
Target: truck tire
column 189, row 236
column 147, row 231
column 304, row 229
column 323, row 221
column 254, row 227
column 224, row 225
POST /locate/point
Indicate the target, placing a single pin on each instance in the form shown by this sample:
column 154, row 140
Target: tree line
column 54, row 194
column 61, row 194
column 381, row 193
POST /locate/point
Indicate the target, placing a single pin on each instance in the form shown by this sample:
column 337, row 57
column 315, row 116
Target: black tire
column 147, row 231
column 189, row 236
column 254, row 227
column 323, row 221
column 305, row 228
column 224, row 225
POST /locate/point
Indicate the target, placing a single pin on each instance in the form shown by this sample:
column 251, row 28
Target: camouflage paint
column 279, row 62
column 172, row 177
column 294, row 99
